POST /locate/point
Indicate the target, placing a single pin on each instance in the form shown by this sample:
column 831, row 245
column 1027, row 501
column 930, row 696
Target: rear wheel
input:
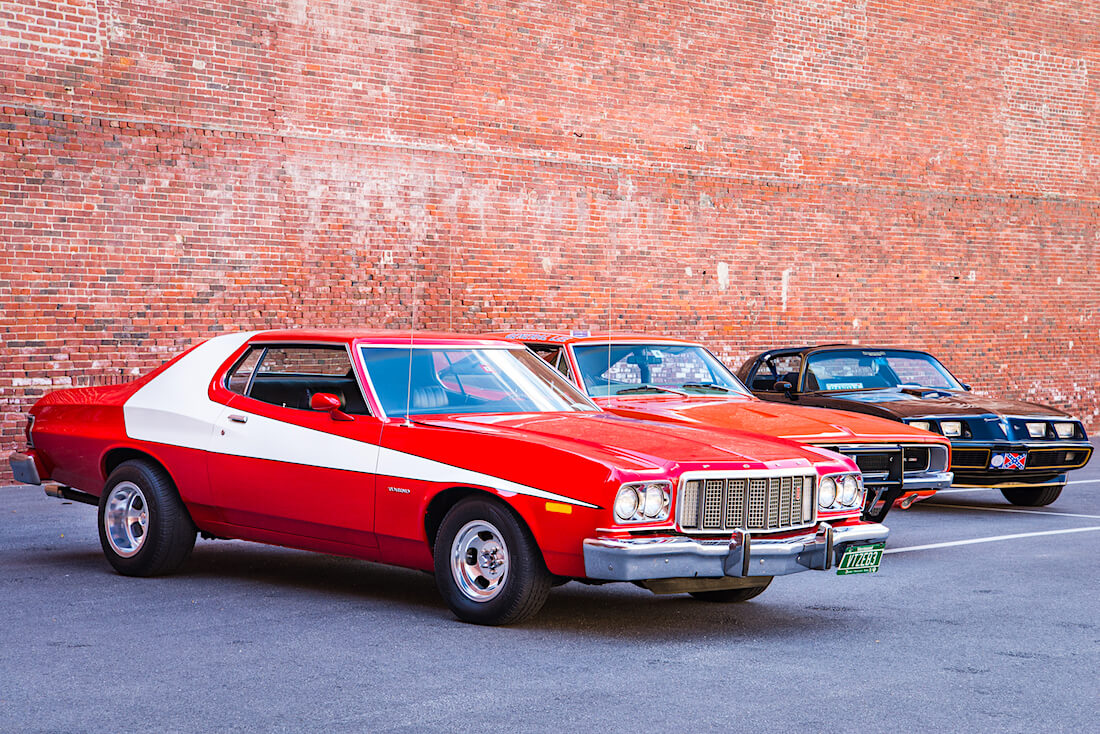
column 1033, row 496
column 731, row 596
column 487, row 566
column 144, row 528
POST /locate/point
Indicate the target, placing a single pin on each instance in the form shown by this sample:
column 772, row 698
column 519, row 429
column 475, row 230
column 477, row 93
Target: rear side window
column 290, row 375
column 306, row 361
column 780, row 368
column 554, row 355
column 241, row 375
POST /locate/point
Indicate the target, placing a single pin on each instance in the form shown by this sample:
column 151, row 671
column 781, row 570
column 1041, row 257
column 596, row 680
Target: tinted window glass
column 616, row 368
column 306, row 361
column 865, row 369
column 241, row 375
column 467, row 380
column 289, row 376
column 784, row 367
column 554, row 354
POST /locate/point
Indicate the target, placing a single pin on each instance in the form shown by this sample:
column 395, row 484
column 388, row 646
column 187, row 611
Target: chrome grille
column 756, row 503
column 712, row 505
column 689, row 503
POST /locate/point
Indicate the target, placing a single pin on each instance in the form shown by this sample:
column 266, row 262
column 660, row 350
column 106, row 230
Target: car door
column 280, row 467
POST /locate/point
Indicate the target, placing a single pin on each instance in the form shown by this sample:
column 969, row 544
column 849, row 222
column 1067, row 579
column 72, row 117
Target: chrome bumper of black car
column 742, row 555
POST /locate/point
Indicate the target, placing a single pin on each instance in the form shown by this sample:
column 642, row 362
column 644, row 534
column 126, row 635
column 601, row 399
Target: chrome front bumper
column 23, row 469
column 742, row 555
column 931, row 480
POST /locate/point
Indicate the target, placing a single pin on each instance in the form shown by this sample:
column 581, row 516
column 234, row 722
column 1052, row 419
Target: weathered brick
column 748, row 174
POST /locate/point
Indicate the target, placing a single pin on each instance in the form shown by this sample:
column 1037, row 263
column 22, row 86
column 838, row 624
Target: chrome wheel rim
column 126, row 519
column 479, row 561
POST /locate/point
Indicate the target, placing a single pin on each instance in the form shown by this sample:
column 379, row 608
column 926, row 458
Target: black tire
column 146, row 492
column 732, row 596
column 521, row 588
column 1033, row 496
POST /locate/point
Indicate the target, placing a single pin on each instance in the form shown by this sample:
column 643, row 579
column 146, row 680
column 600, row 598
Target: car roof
column 835, row 347
column 376, row 336
column 596, row 337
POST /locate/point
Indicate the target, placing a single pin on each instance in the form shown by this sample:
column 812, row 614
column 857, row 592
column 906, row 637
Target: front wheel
column 732, row 596
column 1033, row 496
column 487, row 566
column 144, row 528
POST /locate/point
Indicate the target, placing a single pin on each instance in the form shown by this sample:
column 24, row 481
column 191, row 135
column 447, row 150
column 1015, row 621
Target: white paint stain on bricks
column 723, row 275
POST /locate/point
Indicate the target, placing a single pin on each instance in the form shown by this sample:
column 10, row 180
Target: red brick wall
column 747, row 173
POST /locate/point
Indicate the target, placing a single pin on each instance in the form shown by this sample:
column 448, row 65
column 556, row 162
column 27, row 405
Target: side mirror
column 784, row 387
column 966, row 387
column 328, row 402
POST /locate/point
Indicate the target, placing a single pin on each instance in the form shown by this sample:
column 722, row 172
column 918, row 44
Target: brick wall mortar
column 929, row 179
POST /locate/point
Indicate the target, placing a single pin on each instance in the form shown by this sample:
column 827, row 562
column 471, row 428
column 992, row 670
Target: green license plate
column 860, row 559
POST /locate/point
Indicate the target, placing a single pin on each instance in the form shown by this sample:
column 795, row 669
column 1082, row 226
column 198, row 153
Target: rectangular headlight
column 1036, row 430
column 1065, row 430
column 923, row 425
column 951, row 429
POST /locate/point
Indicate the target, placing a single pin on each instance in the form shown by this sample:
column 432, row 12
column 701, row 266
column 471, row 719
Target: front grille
column 969, row 458
column 756, row 503
column 872, row 463
column 876, row 462
column 915, row 458
column 1057, row 458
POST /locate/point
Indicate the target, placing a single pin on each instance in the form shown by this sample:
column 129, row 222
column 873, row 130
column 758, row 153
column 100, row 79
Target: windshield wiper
column 645, row 388
column 705, row 386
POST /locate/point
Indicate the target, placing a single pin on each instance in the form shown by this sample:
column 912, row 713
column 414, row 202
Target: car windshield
column 871, row 369
column 467, row 380
column 639, row 369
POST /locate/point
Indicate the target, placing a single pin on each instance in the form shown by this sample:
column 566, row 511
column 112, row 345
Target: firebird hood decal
column 175, row 409
column 938, row 402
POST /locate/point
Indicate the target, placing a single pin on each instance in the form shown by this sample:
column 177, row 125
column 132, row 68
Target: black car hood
column 918, row 402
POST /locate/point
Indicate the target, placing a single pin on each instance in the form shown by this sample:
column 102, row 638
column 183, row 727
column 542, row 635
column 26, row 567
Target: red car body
column 870, row 440
column 379, row 486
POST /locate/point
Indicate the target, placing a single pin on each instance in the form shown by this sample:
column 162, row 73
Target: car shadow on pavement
column 603, row 611
column 612, row 611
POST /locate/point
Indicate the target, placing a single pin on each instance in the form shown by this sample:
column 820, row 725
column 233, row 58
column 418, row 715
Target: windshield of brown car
column 875, row 369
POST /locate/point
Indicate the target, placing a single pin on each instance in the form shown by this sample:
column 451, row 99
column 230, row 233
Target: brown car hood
column 917, row 403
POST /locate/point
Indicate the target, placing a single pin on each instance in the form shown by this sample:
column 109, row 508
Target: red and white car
column 679, row 381
column 468, row 457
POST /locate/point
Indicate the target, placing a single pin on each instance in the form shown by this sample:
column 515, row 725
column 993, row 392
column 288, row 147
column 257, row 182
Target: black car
column 1023, row 449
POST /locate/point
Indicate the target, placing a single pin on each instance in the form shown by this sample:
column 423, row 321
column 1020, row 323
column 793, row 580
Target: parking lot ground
column 956, row 632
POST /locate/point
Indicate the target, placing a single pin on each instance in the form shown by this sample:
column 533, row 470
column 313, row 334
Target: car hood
column 916, row 403
column 636, row 444
column 795, row 422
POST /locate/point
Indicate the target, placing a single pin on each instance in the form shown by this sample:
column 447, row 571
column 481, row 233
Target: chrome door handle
column 239, row 418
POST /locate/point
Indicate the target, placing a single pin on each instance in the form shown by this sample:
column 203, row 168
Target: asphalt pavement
column 994, row 635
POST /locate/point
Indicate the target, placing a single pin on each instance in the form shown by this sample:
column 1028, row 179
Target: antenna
column 610, row 293
column 412, row 329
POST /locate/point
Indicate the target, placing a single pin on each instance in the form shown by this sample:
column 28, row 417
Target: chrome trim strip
column 798, row 471
column 938, row 480
column 455, row 346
